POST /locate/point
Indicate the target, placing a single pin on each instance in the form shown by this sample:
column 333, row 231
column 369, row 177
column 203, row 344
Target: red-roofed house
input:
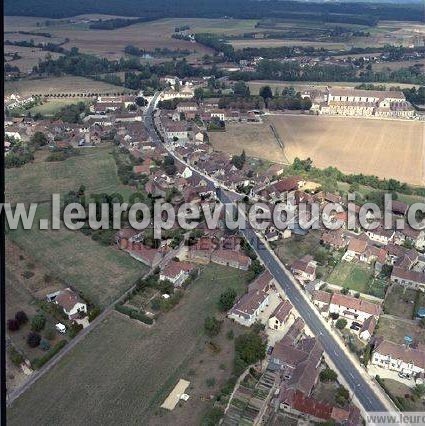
column 304, row 269
column 70, row 302
column 352, row 308
column 176, row 272
column 247, row 309
column 232, row 258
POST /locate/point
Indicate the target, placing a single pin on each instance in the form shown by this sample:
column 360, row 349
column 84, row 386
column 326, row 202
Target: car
column 356, row 324
column 269, row 350
column 402, row 375
column 354, row 327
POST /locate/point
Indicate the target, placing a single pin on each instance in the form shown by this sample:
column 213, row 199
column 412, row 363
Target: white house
column 70, row 302
column 176, row 272
column 352, row 308
column 406, row 360
column 248, row 307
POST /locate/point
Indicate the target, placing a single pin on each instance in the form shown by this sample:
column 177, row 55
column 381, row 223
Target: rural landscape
column 290, row 105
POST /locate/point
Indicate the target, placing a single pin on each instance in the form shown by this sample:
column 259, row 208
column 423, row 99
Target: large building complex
column 360, row 103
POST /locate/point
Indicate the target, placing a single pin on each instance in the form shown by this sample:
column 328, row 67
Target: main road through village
column 355, row 379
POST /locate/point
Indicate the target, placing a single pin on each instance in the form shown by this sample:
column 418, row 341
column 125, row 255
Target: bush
column 93, row 313
column 212, row 326
column 250, row 347
column 38, row 322
column 341, row 396
column 45, row 345
column 33, row 339
column 15, row 356
column 74, row 329
column 133, row 313
column 230, row 335
column 12, row 324
column 341, row 323
column 21, row 317
column 39, row 362
column 328, row 375
column 49, row 333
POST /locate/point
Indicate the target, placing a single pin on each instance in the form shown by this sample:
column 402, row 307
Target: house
column 412, row 279
column 352, row 308
column 280, row 315
column 149, row 256
column 368, row 328
column 322, row 300
column 70, row 302
column 176, row 272
column 298, row 362
column 309, row 410
column 304, row 269
column 381, row 235
column 399, row 208
column 175, row 129
column 232, row 258
column 401, row 358
column 187, row 107
column 334, row 239
column 247, row 309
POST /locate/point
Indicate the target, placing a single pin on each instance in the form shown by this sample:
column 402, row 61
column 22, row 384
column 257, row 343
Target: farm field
column 30, row 56
column 100, row 273
column 270, row 42
column 257, row 139
column 386, row 148
column 37, row 181
column 52, row 86
column 398, row 64
column 108, row 386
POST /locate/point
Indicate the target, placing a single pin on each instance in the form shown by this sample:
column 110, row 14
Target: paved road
column 357, row 383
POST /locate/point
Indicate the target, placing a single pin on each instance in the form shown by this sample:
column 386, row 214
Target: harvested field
column 386, row 148
column 30, row 56
column 124, row 369
column 270, row 42
column 52, row 106
column 257, row 139
column 54, row 86
column 256, row 85
column 37, row 181
column 395, row 329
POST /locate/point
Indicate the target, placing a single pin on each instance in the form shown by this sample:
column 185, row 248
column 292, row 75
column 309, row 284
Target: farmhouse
column 304, row 269
column 248, row 307
column 321, row 299
column 280, row 315
column 406, row 360
column 176, row 272
column 70, row 302
column 353, row 308
column 232, row 258
column 366, row 103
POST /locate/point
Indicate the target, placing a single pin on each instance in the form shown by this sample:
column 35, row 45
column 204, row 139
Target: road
column 359, row 385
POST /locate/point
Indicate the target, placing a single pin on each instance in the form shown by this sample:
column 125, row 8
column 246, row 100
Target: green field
column 52, row 106
column 101, row 273
column 94, row 167
column 350, row 275
column 122, row 371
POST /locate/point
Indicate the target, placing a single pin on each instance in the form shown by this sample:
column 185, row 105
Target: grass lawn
column 396, row 329
column 351, row 275
column 101, row 273
column 52, row 106
column 399, row 301
column 37, row 181
column 124, row 369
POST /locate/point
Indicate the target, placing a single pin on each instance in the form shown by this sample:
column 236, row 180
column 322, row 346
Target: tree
column 13, row 324
column 45, row 345
column 38, row 139
column 21, row 317
column 38, row 322
column 250, row 347
column 266, row 92
column 212, row 326
column 241, row 89
column 33, row 339
column 227, row 299
column 341, row 323
column 15, row 356
column 141, row 102
column 367, row 354
column 345, row 290
column 212, row 417
column 328, row 375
